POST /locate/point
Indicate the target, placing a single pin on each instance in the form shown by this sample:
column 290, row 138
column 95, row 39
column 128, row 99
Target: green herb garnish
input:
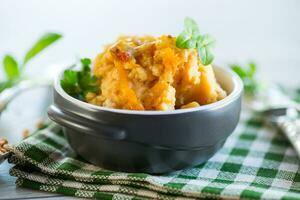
column 187, row 39
column 190, row 38
column 247, row 74
column 14, row 70
column 79, row 83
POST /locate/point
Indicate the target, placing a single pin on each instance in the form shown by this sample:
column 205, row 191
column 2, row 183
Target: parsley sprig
column 247, row 74
column 79, row 83
column 190, row 38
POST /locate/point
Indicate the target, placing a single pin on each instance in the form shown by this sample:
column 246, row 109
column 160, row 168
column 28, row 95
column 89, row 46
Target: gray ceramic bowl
column 148, row 141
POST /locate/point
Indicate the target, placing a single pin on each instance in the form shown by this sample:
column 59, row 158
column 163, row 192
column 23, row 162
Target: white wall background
column 267, row 31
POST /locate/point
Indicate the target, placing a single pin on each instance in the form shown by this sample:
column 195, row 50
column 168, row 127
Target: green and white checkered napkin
column 256, row 162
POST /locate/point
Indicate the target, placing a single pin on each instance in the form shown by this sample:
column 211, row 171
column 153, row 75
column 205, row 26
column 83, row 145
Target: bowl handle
column 84, row 125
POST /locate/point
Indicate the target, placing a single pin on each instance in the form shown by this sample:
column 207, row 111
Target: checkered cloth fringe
column 256, row 162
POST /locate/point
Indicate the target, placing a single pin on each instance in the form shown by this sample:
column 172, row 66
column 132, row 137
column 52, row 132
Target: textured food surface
column 151, row 73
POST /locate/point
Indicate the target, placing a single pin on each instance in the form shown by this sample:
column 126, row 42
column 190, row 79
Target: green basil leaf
column 45, row 41
column 207, row 40
column 182, row 39
column 190, row 38
column 187, row 39
column 205, row 54
column 204, row 44
column 191, row 26
column 11, row 67
column 191, row 44
column 186, row 43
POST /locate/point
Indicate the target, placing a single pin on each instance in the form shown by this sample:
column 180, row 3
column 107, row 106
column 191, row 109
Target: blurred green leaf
column 45, row 41
column 11, row 67
column 247, row 74
column 239, row 70
column 13, row 70
column 252, row 69
column 5, row 84
column 297, row 95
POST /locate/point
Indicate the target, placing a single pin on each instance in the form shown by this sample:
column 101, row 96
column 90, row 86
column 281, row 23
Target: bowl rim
column 237, row 91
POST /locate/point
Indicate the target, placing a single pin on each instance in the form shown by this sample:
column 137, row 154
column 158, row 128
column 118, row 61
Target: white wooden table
column 266, row 31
